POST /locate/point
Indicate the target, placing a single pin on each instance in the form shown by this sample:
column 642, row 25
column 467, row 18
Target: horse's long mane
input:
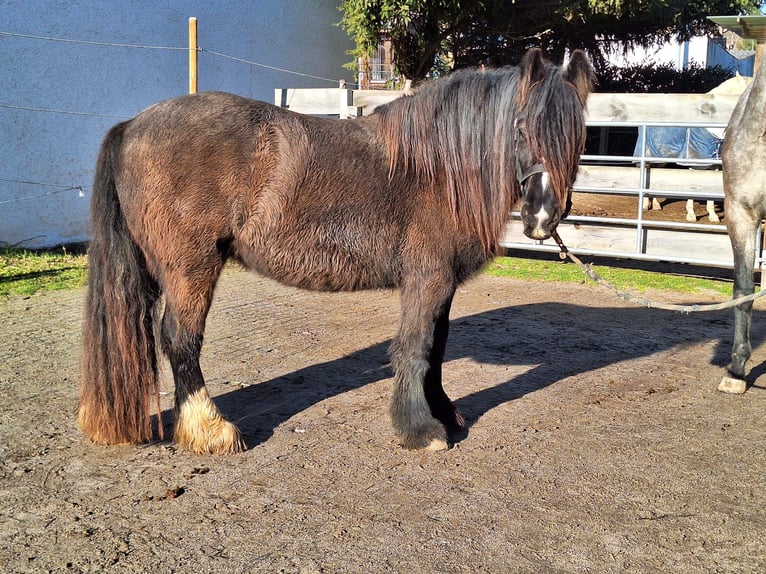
column 459, row 133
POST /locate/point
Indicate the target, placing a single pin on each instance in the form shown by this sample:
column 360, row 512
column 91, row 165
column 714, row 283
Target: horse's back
column 195, row 144
column 305, row 200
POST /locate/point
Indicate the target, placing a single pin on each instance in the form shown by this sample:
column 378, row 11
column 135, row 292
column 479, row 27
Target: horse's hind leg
column 651, row 203
column 691, row 215
column 416, row 355
column 742, row 226
column 199, row 427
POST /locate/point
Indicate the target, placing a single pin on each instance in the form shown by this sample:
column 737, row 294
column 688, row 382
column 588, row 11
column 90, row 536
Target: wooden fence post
column 192, row 55
column 342, row 100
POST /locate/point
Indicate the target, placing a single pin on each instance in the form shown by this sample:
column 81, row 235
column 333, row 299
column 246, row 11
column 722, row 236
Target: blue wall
column 718, row 56
column 44, row 153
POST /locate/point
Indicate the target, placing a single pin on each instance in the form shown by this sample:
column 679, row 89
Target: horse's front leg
column 711, row 214
column 441, row 406
column 199, row 427
column 416, row 355
column 742, row 228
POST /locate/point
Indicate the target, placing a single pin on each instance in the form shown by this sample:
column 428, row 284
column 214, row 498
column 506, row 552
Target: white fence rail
column 638, row 176
column 641, row 177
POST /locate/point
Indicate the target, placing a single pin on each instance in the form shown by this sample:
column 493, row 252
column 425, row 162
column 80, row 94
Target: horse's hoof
column 438, row 444
column 433, row 439
column 225, row 438
column 732, row 386
column 201, row 429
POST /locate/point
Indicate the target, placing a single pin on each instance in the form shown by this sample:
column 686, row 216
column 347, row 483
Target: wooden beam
column 192, row 55
column 705, row 108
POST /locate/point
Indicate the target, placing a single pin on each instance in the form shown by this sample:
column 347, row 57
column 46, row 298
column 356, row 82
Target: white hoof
column 732, row 386
column 438, row 444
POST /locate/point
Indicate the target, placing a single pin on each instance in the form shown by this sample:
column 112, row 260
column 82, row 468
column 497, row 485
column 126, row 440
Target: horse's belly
column 325, row 259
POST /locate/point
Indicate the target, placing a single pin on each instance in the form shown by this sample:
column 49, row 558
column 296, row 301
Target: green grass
column 633, row 279
column 25, row 272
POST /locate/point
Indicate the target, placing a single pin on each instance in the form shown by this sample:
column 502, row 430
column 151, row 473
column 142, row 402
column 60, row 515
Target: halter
column 521, row 175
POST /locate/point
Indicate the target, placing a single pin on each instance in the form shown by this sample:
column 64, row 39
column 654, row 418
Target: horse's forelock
column 556, row 129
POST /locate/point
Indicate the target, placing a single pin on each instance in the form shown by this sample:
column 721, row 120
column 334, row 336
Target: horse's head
column 541, row 209
column 549, row 136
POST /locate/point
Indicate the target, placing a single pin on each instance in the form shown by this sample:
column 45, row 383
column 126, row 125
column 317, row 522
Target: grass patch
column 26, row 272
column 634, row 279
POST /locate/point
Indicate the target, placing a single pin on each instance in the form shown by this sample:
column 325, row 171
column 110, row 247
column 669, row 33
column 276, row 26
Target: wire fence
column 58, row 188
column 61, row 188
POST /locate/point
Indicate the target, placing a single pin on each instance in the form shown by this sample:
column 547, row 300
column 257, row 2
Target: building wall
column 680, row 54
column 699, row 50
column 47, row 157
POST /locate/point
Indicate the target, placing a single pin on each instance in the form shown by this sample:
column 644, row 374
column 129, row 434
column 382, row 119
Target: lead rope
column 630, row 298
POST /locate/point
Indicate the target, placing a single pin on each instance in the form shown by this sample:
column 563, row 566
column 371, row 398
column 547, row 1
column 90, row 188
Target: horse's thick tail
column 119, row 370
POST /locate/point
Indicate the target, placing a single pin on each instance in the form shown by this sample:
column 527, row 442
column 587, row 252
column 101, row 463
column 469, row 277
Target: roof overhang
column 747, row 27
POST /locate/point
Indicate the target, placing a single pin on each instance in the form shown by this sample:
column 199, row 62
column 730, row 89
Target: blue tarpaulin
column 680, row 143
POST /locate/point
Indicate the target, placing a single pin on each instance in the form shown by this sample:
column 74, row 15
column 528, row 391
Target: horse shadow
column 557, row 340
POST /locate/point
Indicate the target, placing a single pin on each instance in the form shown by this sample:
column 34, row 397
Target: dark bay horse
column 413, row 197
column 744, row 186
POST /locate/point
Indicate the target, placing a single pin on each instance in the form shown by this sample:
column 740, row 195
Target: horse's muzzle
column 540, row 224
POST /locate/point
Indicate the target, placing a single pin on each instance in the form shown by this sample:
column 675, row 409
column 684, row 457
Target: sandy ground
column 596, row 442
column 627, row 207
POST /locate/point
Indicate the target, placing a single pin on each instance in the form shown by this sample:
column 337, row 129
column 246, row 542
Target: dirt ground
column 627, row 207
column 596, row 442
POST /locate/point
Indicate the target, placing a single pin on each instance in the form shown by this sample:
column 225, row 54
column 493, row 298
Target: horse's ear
column 531, row 71
column 579, row 73
column 532, row 68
